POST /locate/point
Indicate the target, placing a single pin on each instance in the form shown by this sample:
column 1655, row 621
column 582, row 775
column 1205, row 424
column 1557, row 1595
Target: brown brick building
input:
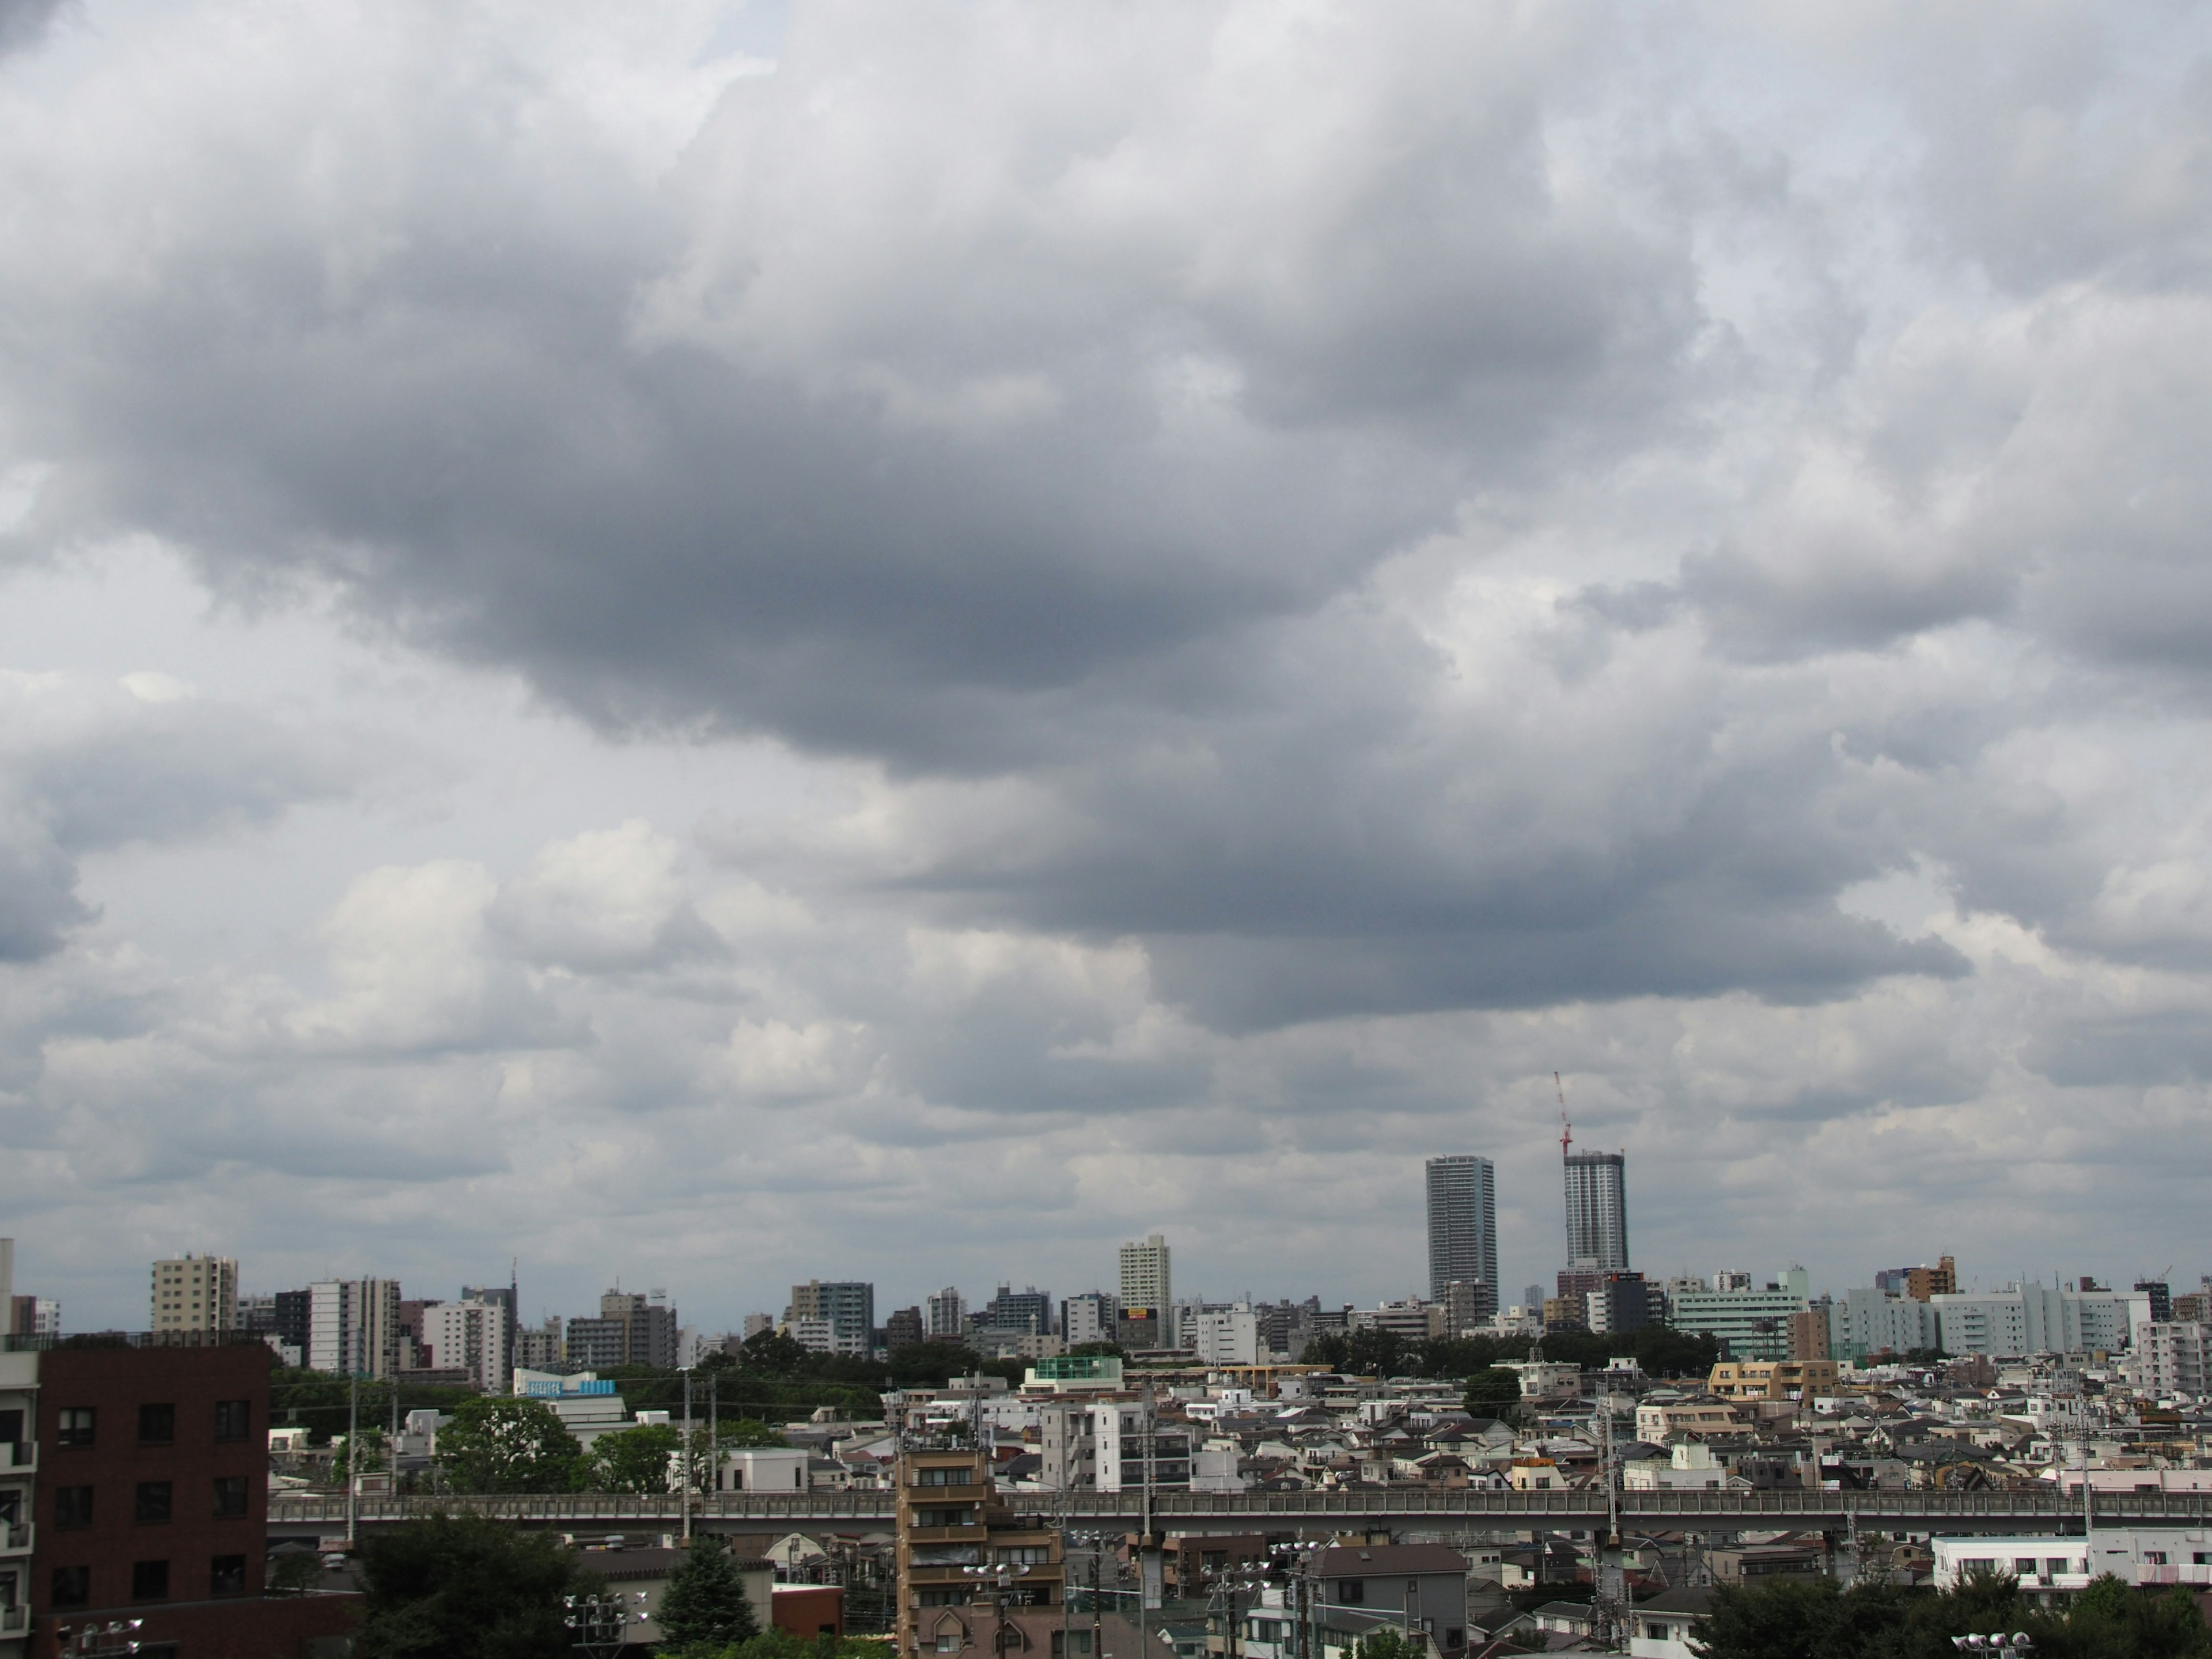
column 965, row 1561
column 152, row 1502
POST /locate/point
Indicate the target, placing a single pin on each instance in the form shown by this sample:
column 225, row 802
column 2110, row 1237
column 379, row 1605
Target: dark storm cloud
column 1078, row 424
column 23, row 23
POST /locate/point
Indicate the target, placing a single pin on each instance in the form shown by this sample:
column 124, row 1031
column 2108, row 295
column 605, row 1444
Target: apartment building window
column 227, row 1576
column 954, row 1476
column 150, row 1580
column 76, row 1425
column 72, row 1586
column 157, row 1425
column 1026, row 1555
column 72, row 1506
column 229, row 1496
column 944, row 1517
column 1352, row 1591
column 155, row 1498
column 233, row 1420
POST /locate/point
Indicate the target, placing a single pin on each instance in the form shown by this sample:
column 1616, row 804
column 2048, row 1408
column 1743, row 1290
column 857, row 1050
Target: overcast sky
column 712, row 644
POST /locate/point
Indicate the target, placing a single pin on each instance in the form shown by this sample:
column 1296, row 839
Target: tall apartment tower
column 1597, row 1212
column 946, row 1315
column 196, row 1293
column 353, row 1327
column 1146, row 1282
column 1463, row 1228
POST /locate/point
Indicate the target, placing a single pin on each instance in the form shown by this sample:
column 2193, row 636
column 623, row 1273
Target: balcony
column 15, row 1538
column 962, row 1535
column 14, row 1621
column 923, row 1496
column 18, row 1456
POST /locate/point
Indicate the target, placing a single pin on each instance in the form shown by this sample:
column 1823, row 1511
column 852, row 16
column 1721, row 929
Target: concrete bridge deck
column 1307, row 1514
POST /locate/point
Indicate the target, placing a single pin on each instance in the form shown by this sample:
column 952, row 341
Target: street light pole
column 687, row 1455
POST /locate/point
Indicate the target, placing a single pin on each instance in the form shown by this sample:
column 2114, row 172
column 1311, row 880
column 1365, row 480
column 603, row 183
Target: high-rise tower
column 1463, row 1228
column 1597, row 1212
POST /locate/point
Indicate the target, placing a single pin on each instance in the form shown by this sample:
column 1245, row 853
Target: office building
column 847, row 1306
column 1093, row 1316
column 1597, row 1210
column 1462, row 1193
column 1027, row 1310
column 1755, row 1324
column 1146, row 1281
column 195, row 1293
column 904, row 1329
column 353, row 1327
column 2161, row 1299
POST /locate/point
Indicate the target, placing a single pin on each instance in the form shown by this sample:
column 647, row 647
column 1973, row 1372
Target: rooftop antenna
column 1566, row 1129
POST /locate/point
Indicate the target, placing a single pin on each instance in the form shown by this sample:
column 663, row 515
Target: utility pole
column 715, row 1431
column 1145, row 1538
column 353, row 1455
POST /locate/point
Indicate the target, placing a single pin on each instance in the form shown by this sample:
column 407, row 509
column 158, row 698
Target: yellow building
column 195, row 1293
column 1772, row 1379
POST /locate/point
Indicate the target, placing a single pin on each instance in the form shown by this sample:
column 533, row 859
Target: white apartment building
column 2145, row 1555
column 353, row 1327
column 1227, row 1336
column 1869, row 1320
column 470, row 1336
column 2174, row 1358
column 195, row 1293
column 2025, row 1319
column 1415, row 1320
column 1146, row 1281
column 945, row 1314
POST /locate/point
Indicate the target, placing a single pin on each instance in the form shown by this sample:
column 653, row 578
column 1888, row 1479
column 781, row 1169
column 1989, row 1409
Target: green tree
column 751, row 1434
column 705, row 1600
column 466, row 1588
column 496, row 1442
column 1386, row 1643
column 1493, row 1392
column 636, row 1460
column 291, row 1572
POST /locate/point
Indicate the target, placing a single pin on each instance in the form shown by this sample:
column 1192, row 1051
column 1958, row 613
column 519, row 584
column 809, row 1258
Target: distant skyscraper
column 1597, row 1210
column 1463, row 1228
column 1146, row 1282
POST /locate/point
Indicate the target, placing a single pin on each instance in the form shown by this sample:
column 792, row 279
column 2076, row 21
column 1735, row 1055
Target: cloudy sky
column 713, row 643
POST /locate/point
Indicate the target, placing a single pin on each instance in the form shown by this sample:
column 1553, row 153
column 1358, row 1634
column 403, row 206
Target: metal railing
column 14, row 1536
column 1777, row 1508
